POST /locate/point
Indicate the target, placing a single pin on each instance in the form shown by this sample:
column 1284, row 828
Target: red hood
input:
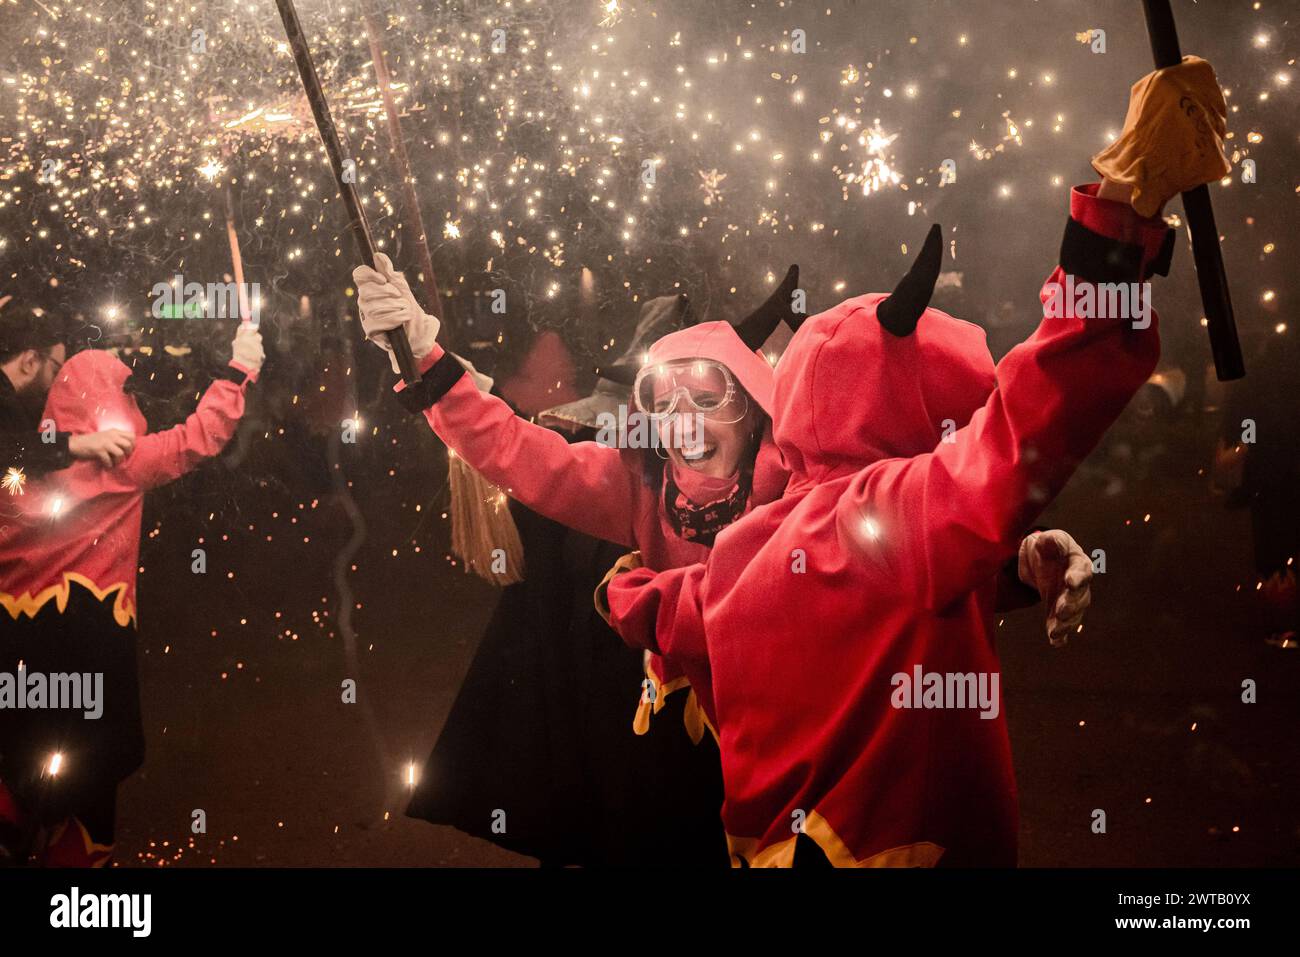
column 82, row 523
column 718, row 341
column 891, row 395
column 87, row 396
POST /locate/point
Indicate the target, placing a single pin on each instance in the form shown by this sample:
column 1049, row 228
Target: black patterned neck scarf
column 701, row 523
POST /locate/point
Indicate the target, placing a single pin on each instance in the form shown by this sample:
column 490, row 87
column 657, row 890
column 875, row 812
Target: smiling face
column 716, row 448
column 709, row 419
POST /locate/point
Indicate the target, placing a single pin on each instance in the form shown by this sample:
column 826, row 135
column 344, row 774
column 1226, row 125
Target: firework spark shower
column 972, row 560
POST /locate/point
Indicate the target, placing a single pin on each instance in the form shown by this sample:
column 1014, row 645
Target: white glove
column 386, row 303
column 246, row 350
column 1054, row 563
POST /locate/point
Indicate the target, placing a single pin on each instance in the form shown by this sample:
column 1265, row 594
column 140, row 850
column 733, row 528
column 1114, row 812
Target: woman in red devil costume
column 669, row 504
column 841, row 639
column 671, row 507
column 69, row 549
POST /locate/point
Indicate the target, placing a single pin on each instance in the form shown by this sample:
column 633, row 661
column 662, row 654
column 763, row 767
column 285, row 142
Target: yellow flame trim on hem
column 693, row 716
column 93, row 850
column 29, row 605
column 920, row 854
column 696, row 720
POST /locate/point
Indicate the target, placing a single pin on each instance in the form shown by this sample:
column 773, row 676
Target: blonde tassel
column 481, row 524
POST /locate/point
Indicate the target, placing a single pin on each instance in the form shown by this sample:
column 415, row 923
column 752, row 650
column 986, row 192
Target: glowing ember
column 14, row 481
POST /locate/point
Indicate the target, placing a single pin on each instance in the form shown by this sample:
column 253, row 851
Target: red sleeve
column 661, row 612
column 943, row 522
column 161, row 457
column 584, row 485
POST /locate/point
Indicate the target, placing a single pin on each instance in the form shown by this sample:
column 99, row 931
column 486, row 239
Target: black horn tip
column 902, row 310
column 762, row 322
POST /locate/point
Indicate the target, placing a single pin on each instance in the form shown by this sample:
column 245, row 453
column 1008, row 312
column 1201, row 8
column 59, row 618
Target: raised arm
column 960, row 511
column 161, row 457
column 584, row 485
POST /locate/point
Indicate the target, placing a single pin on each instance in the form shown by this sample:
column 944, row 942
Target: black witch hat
column 753, row 330
column 659, row 317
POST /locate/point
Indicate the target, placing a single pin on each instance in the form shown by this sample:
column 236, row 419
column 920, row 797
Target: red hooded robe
column 814, row 613
column 69, row 551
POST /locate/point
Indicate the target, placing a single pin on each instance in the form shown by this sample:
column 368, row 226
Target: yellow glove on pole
column 1173, row 136
column 1210, row 274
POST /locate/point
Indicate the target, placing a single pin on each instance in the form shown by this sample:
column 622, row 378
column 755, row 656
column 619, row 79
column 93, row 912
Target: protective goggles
column 686, row 386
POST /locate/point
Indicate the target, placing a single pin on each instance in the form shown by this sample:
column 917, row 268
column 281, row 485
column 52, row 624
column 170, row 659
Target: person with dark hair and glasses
column 33, row 348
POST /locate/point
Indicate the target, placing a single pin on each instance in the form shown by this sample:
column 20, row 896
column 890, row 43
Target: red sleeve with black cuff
column 583, row 485
column 964, row 506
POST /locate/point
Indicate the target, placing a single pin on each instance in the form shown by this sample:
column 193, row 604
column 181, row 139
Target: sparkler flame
column 612, row 13
column 14, row 481
column 211, row 170
column 876, row 172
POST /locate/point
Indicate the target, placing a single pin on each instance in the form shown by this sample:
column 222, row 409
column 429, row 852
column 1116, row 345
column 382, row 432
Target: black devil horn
column 762, row 322
column 900, row 313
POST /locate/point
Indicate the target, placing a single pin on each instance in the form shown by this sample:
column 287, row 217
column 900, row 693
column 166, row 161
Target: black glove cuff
column 231, row 374
column 433, row 384
column 1097, row 258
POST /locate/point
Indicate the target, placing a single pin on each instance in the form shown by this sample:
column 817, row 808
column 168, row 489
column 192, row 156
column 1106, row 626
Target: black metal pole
column 329, row 133
column 1210, row 274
